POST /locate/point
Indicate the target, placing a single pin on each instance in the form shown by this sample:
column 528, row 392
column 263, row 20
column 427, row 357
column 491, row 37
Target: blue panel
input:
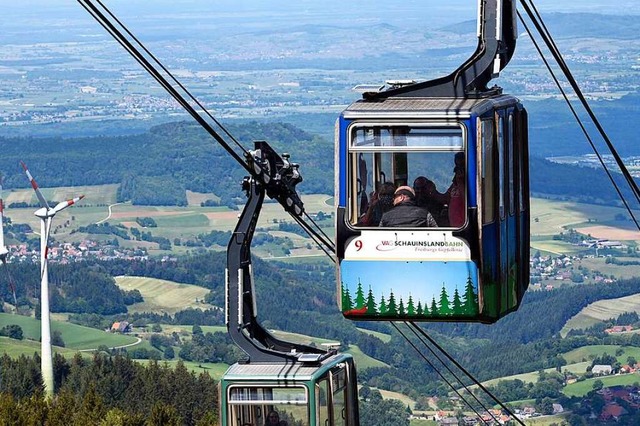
column 342, row 160
column 472, row 161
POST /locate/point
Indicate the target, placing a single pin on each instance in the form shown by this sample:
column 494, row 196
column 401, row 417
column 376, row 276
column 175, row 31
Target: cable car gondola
column 388, row 137
column 460, row 149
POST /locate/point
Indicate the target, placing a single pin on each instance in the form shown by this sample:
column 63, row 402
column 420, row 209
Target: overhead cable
column 578, row 120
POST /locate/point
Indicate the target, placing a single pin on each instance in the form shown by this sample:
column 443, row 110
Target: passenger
column 273, row 419
column 424, row 189
column 455, row 197
column 381, row 203
column 405, row 212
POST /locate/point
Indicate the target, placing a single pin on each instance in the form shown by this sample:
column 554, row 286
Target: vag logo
column 386, row 245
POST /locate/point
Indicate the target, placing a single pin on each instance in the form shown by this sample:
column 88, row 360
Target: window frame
column 351, row 214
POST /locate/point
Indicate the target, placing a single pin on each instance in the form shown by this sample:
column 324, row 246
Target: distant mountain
column 571, row 25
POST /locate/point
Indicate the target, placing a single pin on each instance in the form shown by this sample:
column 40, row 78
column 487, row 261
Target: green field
column 382, row 336
column 75, row 337
column 582, row 388
column 554, row 216
column 550, row 217
column 588, row 353
column 618, row 271
column 163, row 296
column 600, row 311
column 15, row 348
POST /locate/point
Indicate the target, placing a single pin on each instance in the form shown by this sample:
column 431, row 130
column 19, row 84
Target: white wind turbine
column 4, row 252
column 46, row 214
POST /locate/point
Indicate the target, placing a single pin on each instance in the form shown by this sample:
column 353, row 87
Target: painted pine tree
column 411, row 309
column 444, row 309
column 392, row 308
column 347, row 303
column 360, row 301
column 470, row 299
column 419, row 310
column 457, row 304
column 434, row 307
column 371, row 303
column 401, row 310
column 382, row 308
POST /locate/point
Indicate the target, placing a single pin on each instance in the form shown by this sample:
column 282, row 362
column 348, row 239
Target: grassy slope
column 602, row 310
column 163, row 296
column 75, row 337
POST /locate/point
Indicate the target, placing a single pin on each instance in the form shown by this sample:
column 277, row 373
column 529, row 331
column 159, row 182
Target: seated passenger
column 405, row 212
column 381, row 203
column 273, row 419
column 424, row 189
column 455, row 198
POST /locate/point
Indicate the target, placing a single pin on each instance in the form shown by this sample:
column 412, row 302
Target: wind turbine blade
column 34, row 184
column 64, row 204
column 11, row 284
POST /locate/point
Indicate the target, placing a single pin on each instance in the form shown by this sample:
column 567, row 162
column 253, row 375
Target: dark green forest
column 157, row 167
column 105, row 390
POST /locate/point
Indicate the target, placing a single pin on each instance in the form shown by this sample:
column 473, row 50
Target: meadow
column 75, row 337
column 600, row 311
column 163, row 296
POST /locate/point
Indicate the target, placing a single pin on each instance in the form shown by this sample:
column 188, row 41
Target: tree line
column 105, row 390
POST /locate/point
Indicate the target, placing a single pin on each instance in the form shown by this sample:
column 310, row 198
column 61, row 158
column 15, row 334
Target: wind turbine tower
column 46, row 214
column 4, row 252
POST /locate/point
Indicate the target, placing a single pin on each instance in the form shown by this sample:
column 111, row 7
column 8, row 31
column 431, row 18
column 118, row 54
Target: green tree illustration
column 371, row 303
column 383, row 306
column 444, row 302
column 434, row 307
column 401, row 310
column 470, row 298
column 392, row 308
column 347, row 303
column 411, row 309
column 419, row 310
column 360, row 301
column 457, row 304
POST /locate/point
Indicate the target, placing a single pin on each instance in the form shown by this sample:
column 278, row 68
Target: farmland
column 163, row 296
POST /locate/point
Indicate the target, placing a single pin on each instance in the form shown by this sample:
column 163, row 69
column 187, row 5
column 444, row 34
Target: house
column 601, row 370
column 619, row 329
column 612, row 412
column 121, row 327
column 448, row 421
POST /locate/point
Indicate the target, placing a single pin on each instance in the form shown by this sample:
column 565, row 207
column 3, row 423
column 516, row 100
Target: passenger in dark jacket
column 405, row 212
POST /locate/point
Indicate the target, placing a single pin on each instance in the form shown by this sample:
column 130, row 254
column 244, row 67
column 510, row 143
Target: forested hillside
column 156, row 168
column 302, row 300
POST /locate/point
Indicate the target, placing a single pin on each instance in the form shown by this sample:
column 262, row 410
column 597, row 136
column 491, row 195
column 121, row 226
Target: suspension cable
column 465, row 371
column 579, row 121
column 127, row 44
column 547, row 38
column 134, row 46
column 440, row 374
column 412, row 328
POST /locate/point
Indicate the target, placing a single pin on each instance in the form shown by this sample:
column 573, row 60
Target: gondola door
column 502, row 209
